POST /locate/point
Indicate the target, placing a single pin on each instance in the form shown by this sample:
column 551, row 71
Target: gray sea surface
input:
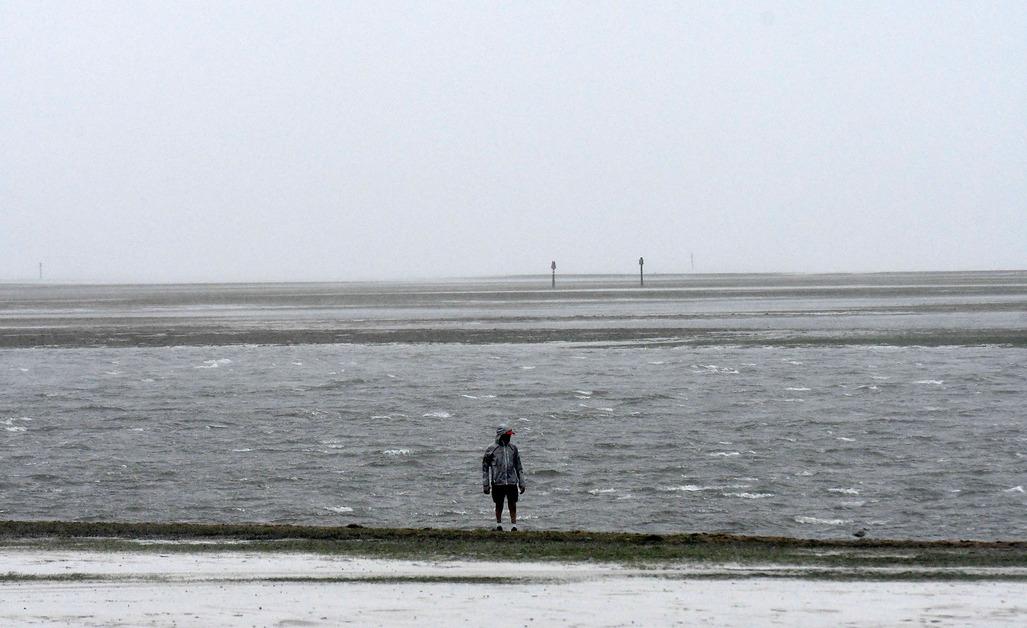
column 805, row 405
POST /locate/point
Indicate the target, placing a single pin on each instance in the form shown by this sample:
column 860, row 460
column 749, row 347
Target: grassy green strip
column 620, row 547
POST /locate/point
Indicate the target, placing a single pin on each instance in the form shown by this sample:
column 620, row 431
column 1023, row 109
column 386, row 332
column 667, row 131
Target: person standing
column 502, row 475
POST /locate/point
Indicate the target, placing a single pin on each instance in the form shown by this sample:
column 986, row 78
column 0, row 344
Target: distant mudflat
column 903, row 309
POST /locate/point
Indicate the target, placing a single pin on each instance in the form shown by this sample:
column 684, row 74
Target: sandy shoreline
column 56, row 587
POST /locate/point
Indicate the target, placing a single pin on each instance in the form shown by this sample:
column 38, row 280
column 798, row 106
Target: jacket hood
column 503, row 428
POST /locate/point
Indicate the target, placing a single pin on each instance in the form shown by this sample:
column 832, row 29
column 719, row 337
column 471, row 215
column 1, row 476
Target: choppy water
column 818, row 440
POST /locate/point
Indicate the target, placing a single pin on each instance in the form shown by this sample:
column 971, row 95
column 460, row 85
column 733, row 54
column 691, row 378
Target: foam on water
column 437, row 414
column 819, row 521
column 339, row 509
column 713, row 368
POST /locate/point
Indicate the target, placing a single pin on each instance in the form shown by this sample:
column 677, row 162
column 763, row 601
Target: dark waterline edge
column 533, row 545
column 115, row 338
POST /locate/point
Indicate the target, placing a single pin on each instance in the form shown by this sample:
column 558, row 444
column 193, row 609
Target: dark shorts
column 509, row 491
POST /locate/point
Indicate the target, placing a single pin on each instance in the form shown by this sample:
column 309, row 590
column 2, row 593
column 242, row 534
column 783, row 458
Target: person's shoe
column 513, row 528
column 499, row 528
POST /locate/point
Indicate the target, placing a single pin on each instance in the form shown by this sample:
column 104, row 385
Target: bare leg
column 499, row 512
column 513, row 513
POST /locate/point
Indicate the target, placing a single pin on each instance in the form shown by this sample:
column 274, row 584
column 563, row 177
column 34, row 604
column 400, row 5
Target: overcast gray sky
column 327, row 140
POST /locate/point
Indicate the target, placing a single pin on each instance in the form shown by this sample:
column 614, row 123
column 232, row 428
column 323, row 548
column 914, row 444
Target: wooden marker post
column 553, row 267
column 641, row 277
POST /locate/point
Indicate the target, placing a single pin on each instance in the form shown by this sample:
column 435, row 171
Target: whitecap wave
column 844, row 491
column 397, row 452
column 599, row 491
column 726, row 454
column 748, row 495
column 819, row 521
column 713, row 368
column 797, row 388
column 1015, row 489
column 930, row 382
column 438, row 414
column 339, row 509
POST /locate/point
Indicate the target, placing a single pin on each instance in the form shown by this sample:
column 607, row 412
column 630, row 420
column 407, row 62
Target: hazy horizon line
column 542, row 277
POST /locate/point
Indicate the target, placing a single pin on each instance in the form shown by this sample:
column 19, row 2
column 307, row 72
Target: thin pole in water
column 641, row 277
column 553, row 267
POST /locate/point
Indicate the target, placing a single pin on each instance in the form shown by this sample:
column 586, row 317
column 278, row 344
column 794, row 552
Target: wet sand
column 63, row 587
